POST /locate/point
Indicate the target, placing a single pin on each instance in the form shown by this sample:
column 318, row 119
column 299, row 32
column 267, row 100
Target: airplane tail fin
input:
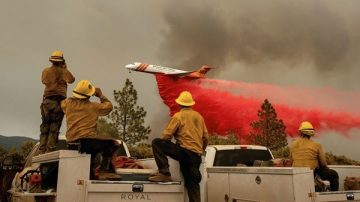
column 204, row 69
column 201, row 72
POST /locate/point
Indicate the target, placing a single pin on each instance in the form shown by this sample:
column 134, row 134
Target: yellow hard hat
column 57, row 56
column 307, row 128
column 83, row 89
column 185, row 99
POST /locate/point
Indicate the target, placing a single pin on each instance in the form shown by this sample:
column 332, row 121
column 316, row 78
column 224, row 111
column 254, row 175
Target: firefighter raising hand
column 98, row 92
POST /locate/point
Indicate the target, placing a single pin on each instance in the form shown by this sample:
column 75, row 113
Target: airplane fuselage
column 155, row 69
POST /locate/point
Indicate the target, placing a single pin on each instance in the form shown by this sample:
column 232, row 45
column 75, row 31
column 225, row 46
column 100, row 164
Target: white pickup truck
column 227, row 170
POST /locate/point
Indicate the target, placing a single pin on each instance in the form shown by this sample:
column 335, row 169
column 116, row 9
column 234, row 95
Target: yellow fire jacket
column 55, row 80
column 306, row 153
column 189, row 130
column 82, row 115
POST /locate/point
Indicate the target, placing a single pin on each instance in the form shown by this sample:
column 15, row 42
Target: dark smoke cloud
column 316, row 33
column 195, row 35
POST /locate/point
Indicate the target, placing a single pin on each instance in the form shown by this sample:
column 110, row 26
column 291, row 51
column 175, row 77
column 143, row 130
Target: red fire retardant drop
column 225, row 108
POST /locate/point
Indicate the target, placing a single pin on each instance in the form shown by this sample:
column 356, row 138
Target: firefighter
column 304, row 152
column 81, row 119
column 55, row 79
column 189, row 130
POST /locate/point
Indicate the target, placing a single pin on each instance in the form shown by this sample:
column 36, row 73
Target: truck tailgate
column 134, row 191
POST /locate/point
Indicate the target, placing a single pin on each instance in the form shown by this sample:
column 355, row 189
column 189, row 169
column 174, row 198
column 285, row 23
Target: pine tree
column 268, row 130
column 127, row 117
column 106, row 129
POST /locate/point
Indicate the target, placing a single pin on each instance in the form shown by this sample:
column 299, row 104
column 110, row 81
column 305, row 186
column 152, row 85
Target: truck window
column 240, row 156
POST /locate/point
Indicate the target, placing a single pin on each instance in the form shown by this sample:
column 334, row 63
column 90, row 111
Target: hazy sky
column 287, row 43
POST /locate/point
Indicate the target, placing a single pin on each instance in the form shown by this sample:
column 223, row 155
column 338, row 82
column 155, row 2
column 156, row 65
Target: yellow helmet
column 57, row 56
column 83, row 89
column 307, row 128
column 185, row 99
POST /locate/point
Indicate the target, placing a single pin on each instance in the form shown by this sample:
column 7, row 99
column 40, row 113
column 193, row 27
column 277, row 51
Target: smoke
column 225, row 111
column 265, row 34
column 195, row 35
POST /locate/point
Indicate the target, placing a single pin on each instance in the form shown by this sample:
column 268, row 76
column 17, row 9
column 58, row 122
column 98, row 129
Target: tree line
column 13, row 156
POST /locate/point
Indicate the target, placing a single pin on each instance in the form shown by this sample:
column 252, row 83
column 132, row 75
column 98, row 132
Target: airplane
column 156, row 69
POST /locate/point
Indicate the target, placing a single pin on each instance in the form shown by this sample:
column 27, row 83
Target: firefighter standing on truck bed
column 189, row 130
column 304, row 152
column 55, row 79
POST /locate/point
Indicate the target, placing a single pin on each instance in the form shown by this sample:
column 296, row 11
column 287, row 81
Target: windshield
column 240, row 157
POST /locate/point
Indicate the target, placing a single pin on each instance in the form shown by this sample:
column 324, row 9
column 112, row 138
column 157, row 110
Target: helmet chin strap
column 82, row 94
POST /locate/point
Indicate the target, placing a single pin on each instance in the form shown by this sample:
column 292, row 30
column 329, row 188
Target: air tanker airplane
column 156, row 69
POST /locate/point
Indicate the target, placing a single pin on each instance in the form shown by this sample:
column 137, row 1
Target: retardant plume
column 225, row 109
